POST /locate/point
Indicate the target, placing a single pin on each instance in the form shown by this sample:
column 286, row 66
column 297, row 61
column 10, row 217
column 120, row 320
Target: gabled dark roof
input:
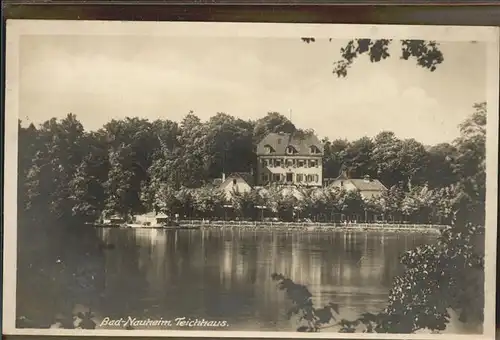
column 248, row 177
column 217, row 182
column 371, row 185
column 362, row 184
column 280, row 141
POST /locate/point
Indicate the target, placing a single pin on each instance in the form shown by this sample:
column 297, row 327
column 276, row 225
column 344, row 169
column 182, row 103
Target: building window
column 300, row 177
column 313, row 164
column 268, row 149
column 234, row 181
column 316, row 178
column 290, row 150
column 279, row 140
column 277, row 162
column 314, row 149
column 289, row 163
column 289, row 177
column 276, row 178
column 264, row 178
column 301, row 163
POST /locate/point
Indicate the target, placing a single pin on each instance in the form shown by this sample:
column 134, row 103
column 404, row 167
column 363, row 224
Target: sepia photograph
column 250, row 180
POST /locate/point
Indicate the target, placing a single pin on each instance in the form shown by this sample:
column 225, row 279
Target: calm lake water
column 208, row 274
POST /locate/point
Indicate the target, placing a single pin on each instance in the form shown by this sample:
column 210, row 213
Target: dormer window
column 290, row 150
column 314, row 149
column 268, row 149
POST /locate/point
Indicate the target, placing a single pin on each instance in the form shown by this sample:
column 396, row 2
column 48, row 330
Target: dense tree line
column 420, row 205
column 132, row 166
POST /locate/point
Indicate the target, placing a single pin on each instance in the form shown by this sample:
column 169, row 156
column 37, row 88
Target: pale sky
column 103, row 77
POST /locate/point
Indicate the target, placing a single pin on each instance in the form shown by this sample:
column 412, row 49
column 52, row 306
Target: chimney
column 344, row 173
column 223, row 177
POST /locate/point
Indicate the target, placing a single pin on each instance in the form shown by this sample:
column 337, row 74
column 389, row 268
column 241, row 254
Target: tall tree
column 139, row 136
column 86, row 186
column 273, row 122
column 359, row 158
column 440, row 169
column 386, row 153
column 191, row 161
column 27, row 150
column 229, row 142
column 334, row 156
column 470, row 163
column 54, row 165
column 413, row 161
column 86, row 193
column 119, row 196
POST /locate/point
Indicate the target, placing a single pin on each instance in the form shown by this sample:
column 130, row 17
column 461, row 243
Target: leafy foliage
column 208, row 201
column 425, row 53
column 79, row 320
column 119, row 194
column 246, row 203
column 59, row 152
column 310, row 319
column 85, row 190
column 272, row 122
column 334, row 157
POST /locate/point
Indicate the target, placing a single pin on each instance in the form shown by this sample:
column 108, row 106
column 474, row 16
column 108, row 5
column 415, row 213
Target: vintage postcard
column 250, row 180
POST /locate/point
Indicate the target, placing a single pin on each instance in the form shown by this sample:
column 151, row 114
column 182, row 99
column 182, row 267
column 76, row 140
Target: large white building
column 290, row 159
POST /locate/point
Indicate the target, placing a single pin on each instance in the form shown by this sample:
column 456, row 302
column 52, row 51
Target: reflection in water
column 224, row 274
column 227, row 273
